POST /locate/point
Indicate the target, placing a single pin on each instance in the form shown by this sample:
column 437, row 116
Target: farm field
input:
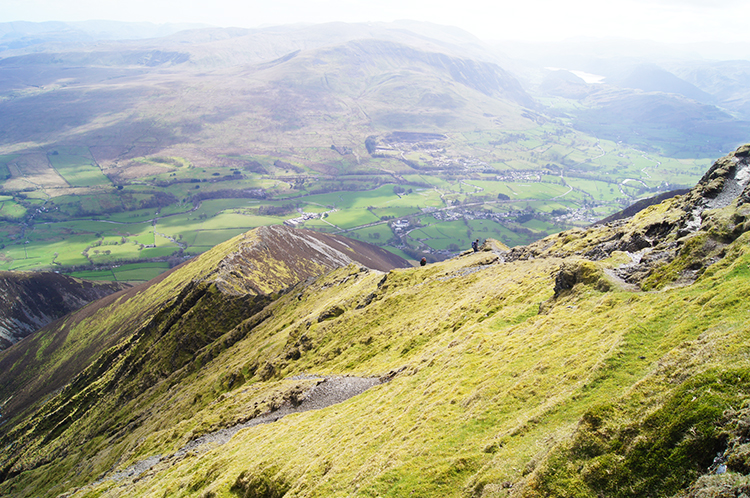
column 602, row 191
column 157, row 211
column 4, row 168
column 10, row 209
column 440, row 236
column 78, row 167
column 135, row 272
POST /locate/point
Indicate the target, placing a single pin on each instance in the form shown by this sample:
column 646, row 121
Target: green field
column 4, row 169
column 523, row 190
column 11, row 210
column 396, row 212
column 440, row 235
column 350, row 218
column 95, row 275
column 39, row 252
column 377, row 234
column 136, row 272
column 534, row 182
column 606, row 192
column 355, row 200
column 210, row 237
column 77, row 166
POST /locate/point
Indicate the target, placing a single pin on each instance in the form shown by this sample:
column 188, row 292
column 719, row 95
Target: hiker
column 475, row 245
column 423, row 262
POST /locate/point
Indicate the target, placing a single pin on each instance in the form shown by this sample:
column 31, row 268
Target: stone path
column 329, row 391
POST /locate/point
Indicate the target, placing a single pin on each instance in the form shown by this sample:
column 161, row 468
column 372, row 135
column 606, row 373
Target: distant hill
column 339, row 79
column 607, row 361
column 651, row 78
column 29, row 301
column 120, row 93
column 679, row 126
column 640, row 75
column 726, row 80
column 22, row 35
column 565, row 84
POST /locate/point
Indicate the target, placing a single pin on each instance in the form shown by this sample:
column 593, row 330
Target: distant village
column 397, row 144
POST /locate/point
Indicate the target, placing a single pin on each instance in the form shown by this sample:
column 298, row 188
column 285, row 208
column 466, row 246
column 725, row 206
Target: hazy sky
column 543, row 20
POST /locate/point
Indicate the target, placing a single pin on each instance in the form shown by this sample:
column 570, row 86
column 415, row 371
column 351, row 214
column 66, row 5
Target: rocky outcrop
column 675, row 240
column 29, row 301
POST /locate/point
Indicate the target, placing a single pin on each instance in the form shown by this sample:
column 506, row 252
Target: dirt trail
column 329, row 391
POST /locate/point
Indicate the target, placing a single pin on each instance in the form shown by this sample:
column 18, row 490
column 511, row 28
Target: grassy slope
column 489, row 396
column 129, row 342
column 488, row 387
column 79, row 338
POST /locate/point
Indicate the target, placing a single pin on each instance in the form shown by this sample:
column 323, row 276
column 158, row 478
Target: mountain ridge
column 260, row 263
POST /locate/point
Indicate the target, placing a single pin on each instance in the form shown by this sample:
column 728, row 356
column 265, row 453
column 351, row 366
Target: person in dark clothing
column 475, row 245
column 423, row 262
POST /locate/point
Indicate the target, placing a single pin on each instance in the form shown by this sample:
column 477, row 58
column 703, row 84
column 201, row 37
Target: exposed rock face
column 29, row 301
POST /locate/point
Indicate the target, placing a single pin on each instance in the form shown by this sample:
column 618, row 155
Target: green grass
column 539, row 225
column 211, row 237
column 600, row 392
column 443, row 234
column 483, row 229
column 529, row 150
column 434, row 181
column 352, row 218
column 398, row 252
column 395, row 212
column 139, row 271
column 4, row 169
column 598, row 190
column 95, row 275
column 77, row 166
column 377, row 234
column 109, row 254
column 10, row 210
column 352, row 200
column 535, row 190
column 468, row 412
column 158, row 252
column 43, row 253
